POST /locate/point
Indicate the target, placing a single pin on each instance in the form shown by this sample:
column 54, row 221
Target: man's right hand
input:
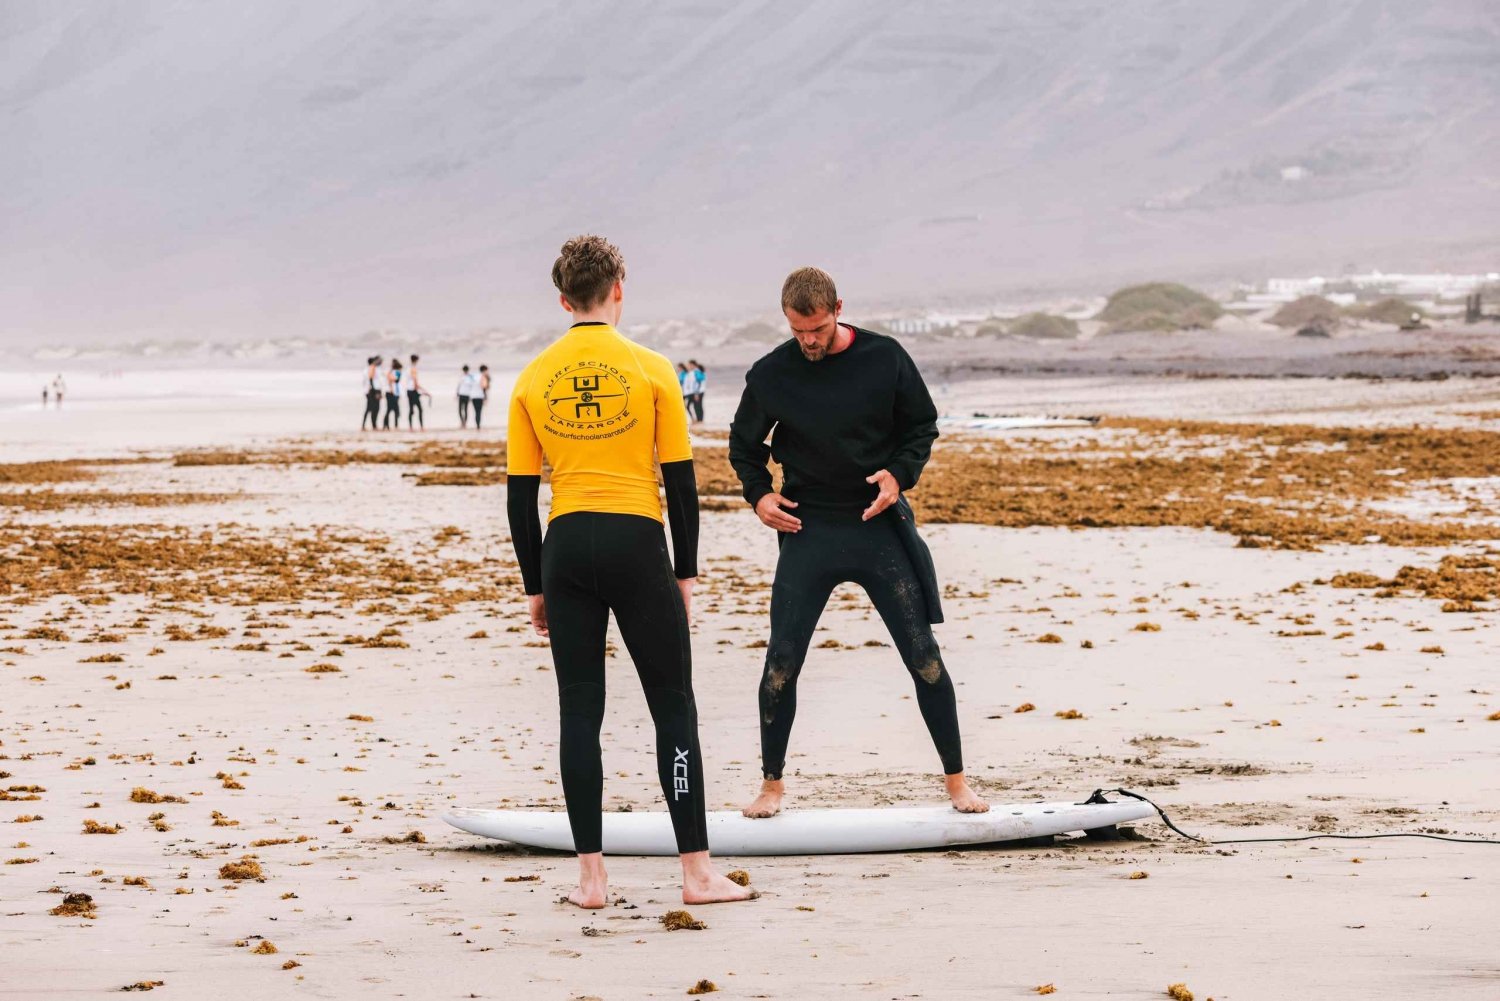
column 769, row 510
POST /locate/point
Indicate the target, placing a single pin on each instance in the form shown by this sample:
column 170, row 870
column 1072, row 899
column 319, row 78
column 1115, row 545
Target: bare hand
column 890, row 491
column 686, row 587
column 769, row 510
column 538, row 613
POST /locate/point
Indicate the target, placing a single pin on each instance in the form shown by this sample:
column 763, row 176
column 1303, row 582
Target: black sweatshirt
column 836, row 422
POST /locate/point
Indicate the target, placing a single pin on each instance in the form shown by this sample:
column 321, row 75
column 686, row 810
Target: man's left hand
column 889, row 492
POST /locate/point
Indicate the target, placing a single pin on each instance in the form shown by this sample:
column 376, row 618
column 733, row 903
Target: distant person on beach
column 372, row 393
column 852, row 426
column 481, row 394
column 696, row 403
column 414, row 398
column 392, row 395
column 467, row 385
column 689, row 388
column 58, row 388
column 45, row 390
column 603, row 410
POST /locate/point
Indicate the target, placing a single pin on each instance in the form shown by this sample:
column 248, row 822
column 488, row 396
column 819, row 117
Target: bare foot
column 701, row 885
column 593, row 883
column 965, row 800
column 768, row 803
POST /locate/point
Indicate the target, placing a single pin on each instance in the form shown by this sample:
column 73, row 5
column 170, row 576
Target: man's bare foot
column 701, row 885
column 593, row 882
column 965, row 800
column 768, row 803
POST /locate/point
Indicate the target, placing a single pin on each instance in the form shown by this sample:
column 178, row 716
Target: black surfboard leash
column 1098, row 797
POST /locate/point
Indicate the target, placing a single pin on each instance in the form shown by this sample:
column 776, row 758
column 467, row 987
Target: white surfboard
column 809, row 832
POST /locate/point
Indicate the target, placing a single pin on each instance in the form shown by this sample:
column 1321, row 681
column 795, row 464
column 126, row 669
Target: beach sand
column 1263, row 704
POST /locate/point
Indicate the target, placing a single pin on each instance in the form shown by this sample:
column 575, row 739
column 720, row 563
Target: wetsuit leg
column 372, row 410
column 577, row 617
column 477, row 402
column 804, row 580
column 463, row 411
column 886, row 573
column 636, row 576
column 414, row 410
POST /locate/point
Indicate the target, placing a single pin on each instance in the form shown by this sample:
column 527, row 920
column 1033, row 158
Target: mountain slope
column 220, row 168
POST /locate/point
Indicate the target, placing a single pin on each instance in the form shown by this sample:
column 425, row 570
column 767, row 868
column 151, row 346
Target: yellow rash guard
column 597, row 405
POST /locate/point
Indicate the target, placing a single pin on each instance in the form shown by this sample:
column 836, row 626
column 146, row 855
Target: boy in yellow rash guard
column 600, row 408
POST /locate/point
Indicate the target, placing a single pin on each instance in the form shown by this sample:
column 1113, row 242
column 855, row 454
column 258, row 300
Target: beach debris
column 1068, row 714
column 246, row 868
column 290, row 964
column 703, row 987
column 144, row 985
column 1146, row 627
column 91, row 826
column 1049, row 638
column 1025, row 707
column 75, row 905
column 529, row 878
column 324, row 668
column 739, row 876
column 265, row 948
column 1179, row 992
column 140, row 794
column 1140, row 874
column 681, row 920
column 1046, row 989
column 410, row 837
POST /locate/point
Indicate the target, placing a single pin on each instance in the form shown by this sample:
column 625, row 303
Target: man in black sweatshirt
column 852, row 426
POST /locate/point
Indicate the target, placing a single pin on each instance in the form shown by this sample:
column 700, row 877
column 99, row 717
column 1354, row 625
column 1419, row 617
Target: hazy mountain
column 207, row 169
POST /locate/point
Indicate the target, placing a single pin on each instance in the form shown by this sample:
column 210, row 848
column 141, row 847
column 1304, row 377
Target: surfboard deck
column 809, row 832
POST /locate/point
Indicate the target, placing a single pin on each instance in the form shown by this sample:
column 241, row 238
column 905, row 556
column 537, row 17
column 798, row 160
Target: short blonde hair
column 808, row 290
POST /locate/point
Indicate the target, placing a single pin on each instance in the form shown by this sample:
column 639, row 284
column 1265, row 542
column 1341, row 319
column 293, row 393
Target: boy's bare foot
column 768, row 803
column 593, row 882
column 701, row 885
column 965, row 800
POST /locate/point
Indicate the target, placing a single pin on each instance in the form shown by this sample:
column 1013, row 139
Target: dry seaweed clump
column 232, row 563
column 144, row 985
column 140, row 794
column 703, row 987
column 1271, row 486
column 1460, row 581
column 410, row 837
column 1179, row 992
column 739, row 876
column 75, row 905
column 94, row 827
column 681, row 920
column 245, row 868
column 265, row 948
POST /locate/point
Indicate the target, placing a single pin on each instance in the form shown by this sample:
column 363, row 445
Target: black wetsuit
column 414, row 409
column 837, row 421
column 605, row 552
column 392, row 408
column 372, row 404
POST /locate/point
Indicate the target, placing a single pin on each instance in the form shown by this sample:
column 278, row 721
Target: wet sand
column 170, row 649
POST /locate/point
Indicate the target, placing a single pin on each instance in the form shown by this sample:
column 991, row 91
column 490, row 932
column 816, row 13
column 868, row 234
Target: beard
column 814, row 352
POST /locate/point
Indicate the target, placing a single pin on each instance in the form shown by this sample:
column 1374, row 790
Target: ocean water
column 114, row 412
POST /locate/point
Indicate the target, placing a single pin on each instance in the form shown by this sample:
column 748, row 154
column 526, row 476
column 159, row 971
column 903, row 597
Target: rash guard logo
column 588, row 399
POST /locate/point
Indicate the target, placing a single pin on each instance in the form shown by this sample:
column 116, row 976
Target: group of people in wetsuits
column 398, row 381
column 852, row 425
